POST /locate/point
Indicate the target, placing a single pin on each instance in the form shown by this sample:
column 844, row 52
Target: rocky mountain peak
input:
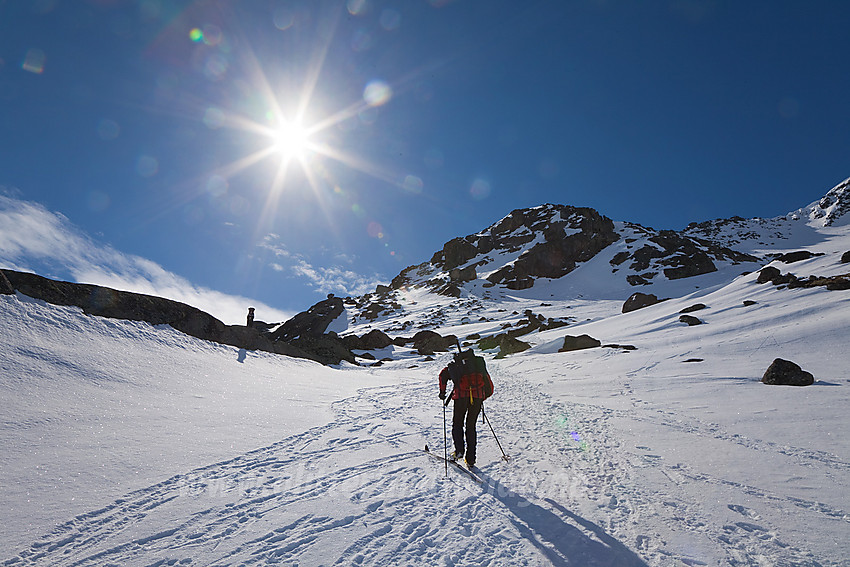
column 546, row 241
column 831, row 209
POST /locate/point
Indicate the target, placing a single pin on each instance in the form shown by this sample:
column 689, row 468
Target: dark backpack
column 469, row 372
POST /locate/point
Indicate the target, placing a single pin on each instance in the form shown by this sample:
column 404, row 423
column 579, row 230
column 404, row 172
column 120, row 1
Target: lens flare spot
column 413, row 184
column 377, row 93
column 215, row 67
column 217, row 186
column 108, row 129
column 357, row 7
column 375, row 230
column 214, row 118
column 196, row 35
column 34, row 61
column 147, row 166
column 211, row 35
column 362, row 41
column 283, row 19
column 480, row 189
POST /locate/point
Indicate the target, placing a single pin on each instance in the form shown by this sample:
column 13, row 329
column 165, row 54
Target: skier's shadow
column 560, row 541
column 242, row 355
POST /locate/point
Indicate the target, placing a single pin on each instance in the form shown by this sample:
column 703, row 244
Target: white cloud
column 336, row 280
column 333, row 279
column 37, row 240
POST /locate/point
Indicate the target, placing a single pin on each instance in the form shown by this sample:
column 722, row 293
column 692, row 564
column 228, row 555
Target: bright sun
column 291, row 140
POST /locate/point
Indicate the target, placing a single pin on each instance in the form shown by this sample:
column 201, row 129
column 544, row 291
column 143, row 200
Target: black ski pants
column 466, row 413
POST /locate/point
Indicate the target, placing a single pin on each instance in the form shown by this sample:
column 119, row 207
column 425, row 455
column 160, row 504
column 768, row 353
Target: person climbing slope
column 471, row 386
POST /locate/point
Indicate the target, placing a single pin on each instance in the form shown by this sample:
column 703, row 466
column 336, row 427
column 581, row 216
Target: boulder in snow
column 845, row 258
column 786, row 373
column 692, row 308
column 690, row 320
column 578, row 343
column 429, row 342
column 768, row 274
column 791, row 257
column 639, row 300
column 375, row 339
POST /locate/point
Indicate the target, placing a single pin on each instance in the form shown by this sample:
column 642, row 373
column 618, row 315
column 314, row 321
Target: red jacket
column 470, row 378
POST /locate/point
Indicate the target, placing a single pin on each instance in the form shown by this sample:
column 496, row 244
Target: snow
column 126, row 444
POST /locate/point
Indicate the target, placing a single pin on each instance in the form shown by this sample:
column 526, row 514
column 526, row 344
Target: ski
column 457, row 466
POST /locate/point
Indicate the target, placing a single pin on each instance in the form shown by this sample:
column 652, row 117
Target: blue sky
column 147, row 144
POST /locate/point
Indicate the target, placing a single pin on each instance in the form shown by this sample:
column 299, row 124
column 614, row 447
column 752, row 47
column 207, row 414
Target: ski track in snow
column 393, row 507
column 360, row 490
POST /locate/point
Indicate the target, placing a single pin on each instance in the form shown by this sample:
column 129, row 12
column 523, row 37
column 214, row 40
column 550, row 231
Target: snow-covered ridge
column 592, row 258
column 830, row 210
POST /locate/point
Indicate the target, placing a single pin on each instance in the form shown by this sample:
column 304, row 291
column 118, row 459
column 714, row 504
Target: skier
column 472, row 385
column 250, row 317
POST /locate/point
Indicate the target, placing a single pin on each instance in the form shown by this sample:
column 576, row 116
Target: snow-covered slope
column 126, row 444
column 96, row 408
column 132, row 445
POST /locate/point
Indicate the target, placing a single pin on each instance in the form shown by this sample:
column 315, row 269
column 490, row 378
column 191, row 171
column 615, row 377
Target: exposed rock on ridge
column 306, row 338
column 541, row 242
column 830, row 208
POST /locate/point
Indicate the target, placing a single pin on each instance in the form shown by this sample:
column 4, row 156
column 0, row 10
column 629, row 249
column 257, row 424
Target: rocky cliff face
column 541, row 242
column 551, row 241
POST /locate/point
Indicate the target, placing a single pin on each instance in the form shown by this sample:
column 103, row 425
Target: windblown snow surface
column 126, row 444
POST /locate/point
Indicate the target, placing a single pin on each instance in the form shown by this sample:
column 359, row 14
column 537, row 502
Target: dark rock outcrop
column 429, row 342
column 506, row 344
column 301, row 337
column 106, row 302
column 833, row 206
column 466, row 274
column 831, row 283
column 456, row 252
column 639, row 300
column 845, row 258
column 326, row 349
column 5, row 286
column 767, row 274
column 690, row 320
column 311, row 323
column 578, row 343
column 375, row 339
column 786, row 373
column 692, row 308
column 791, row 257
column 683, row 256
column 589, row 232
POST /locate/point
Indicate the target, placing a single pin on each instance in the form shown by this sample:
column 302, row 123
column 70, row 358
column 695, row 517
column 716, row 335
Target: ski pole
column 445, row 442
column 487, row 419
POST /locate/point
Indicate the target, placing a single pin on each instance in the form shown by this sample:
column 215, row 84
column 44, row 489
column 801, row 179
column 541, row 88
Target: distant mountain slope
column 563, row 253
